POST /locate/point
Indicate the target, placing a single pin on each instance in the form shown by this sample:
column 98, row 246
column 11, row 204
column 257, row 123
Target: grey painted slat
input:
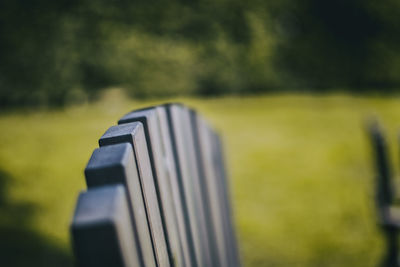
column 184, row 180
column 160, row 161
column 201, row 198
column 102, row 232
column 179, row 123
column 133, row 133
column 115, row 164
column 219, row 165
column 177, row 187
column 215, row 207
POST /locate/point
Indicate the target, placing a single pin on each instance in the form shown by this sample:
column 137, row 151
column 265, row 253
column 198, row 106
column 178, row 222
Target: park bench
column 385, row 196
column 157, row 195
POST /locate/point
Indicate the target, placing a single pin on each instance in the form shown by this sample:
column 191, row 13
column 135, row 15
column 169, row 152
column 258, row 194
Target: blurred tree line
column 57, row 52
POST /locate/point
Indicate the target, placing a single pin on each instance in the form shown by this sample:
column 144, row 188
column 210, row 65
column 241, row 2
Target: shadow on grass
column 20, row 245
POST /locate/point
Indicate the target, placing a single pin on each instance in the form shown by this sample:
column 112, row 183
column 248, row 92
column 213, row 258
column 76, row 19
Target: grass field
column 301, row 178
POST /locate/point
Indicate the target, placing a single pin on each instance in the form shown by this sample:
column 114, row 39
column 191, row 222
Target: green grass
column 301, row 176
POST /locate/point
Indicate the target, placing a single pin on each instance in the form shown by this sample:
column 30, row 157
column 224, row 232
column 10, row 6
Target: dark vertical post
column 384, row 195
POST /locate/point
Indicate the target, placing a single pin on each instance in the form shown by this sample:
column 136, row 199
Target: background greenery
column 288, row 84
column 301, row 175
column 57, row 52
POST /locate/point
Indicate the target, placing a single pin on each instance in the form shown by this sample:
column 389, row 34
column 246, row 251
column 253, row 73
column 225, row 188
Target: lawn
column 301, row 175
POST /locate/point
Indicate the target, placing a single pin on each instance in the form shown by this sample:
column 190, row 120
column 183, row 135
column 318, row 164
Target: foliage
column 57, row 52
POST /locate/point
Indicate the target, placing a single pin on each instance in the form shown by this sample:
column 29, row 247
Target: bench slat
column 133, row 133
column 151, row 121
column 157, row 194
column 186, row 177
column 218, row 229
column 219, row 165
column 102, row 229
column 115, row 164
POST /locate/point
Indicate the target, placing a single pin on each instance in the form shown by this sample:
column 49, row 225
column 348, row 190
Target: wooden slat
column 102, row 232
column 209, row 176
column 219, row 166
column 177, row 187
column 115, row 164
column 133, row 133
column 201, row 210
column 170, row 162
column 179, row 123
column 159, row 159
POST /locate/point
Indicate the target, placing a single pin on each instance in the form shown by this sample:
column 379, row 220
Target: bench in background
column 387, row 208
column 157, row 195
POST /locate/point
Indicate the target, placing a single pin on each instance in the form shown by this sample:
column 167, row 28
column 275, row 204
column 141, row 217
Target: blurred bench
column 157, row 195
column 385, row 198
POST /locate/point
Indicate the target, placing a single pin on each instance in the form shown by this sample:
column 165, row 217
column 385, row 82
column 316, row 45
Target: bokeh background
column 288, row 84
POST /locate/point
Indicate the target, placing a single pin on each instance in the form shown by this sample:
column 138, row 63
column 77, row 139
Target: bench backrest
column 157, row 195
column 385, row 197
